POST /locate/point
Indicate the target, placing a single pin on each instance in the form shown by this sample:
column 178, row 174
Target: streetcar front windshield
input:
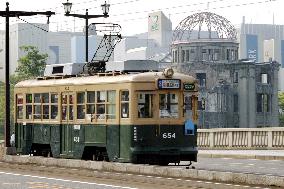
column 145, row 105
column 168, row 105
column 187, row 105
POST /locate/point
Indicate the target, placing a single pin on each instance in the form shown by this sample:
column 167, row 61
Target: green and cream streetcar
column 145, row 117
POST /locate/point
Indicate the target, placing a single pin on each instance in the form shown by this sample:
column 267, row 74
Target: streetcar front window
column 168, row 105
column 145, row 105
column 187, row 111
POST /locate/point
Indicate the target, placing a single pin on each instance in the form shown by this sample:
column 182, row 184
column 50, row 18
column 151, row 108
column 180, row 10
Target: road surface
column 16, row 176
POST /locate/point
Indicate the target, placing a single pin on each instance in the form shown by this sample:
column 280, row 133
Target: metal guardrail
column 241, row 138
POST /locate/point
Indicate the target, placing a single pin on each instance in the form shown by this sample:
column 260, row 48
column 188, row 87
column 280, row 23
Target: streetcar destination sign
column 189, row 86
column 169, row 84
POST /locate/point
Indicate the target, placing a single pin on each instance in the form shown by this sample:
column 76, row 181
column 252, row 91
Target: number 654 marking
column 169, row 135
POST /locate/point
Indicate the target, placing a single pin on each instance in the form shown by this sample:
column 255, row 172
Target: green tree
column 32, row 64
column 281, row 107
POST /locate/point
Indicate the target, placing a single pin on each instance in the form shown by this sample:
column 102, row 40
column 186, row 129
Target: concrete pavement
column 243, row 154
column 160, row 171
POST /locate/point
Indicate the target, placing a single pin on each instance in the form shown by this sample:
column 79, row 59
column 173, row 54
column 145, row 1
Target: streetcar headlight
column 168, row 72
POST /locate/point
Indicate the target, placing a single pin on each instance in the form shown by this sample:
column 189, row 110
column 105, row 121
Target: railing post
column 249, row 139
column 269, row 139
column 230, row 139
column 211, row 139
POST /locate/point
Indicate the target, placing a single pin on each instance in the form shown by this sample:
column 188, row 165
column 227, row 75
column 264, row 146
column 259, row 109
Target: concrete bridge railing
column 241, row 138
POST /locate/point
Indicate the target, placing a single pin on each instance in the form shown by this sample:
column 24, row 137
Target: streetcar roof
column 98, row 79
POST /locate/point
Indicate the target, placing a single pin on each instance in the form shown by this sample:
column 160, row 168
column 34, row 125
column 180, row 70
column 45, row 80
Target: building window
column 204, row 55
column 216, row 54
column 228, row 54
column 187, row 55
column 264, row 78
column 263, row 103
column 210, row 54
column 201, row 77
column 183, row 56
column 175, row 56
column 236, row 103
column 192, row 54
column 233, row 57
column 236, row 77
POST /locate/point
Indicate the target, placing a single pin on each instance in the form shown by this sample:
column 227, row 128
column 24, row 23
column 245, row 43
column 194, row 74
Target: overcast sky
column 132, row 14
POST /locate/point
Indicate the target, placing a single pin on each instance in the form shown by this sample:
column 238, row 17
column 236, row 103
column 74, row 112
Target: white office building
column 153, row 45
column 56, row 44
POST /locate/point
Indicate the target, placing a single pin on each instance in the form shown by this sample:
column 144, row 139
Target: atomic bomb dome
column 208, row 25
column 204, row 37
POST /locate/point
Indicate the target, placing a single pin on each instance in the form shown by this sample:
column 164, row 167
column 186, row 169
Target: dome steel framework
column 221, row 27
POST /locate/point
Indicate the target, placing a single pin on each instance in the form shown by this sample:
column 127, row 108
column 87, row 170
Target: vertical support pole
column 87, row 39
column 7, row 82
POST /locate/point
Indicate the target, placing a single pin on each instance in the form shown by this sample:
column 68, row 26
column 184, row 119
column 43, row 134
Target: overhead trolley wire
column 167, row 8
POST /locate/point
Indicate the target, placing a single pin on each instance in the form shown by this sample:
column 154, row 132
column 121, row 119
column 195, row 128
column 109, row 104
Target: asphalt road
column 255, row 166
column 15, row 176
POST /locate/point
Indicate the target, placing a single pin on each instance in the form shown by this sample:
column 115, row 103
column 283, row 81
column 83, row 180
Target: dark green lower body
column 123, row 143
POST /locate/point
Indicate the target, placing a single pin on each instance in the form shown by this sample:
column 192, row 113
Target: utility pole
column 7, row 14
column 86, row 16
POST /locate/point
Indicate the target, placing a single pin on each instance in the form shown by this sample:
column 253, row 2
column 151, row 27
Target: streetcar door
column 67, row 116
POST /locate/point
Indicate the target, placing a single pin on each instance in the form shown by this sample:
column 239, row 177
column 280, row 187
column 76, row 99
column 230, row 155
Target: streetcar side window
column 29, row 108
column 145, row 105
column 91, row 100
column 45, row 105
column 64, row 106
column 71, row 105
column 110, row 104
column 54, row 106
column 101, row 109
column 168, row 105
column 81, row 105
column 124, row 99
column 19, row 106
column 37, row 106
